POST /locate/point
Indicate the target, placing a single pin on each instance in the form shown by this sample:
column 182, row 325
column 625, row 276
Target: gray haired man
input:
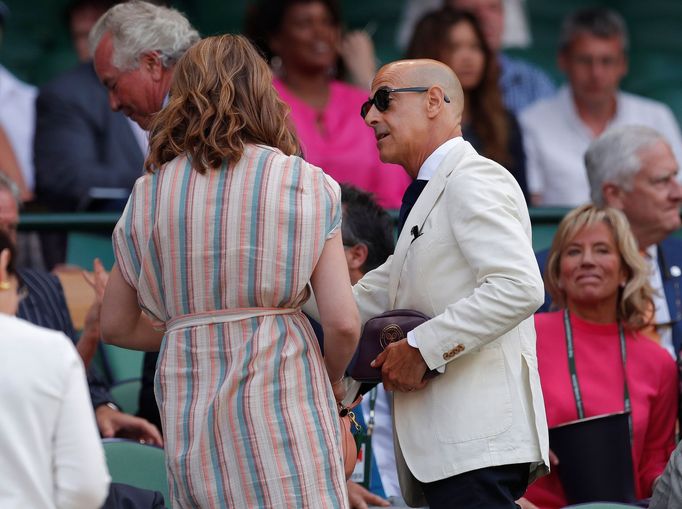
column 135, row 47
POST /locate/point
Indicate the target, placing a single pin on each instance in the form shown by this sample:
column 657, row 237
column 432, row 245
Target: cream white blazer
column 473, row 270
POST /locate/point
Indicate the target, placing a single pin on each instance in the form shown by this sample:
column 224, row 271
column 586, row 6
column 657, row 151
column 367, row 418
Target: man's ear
column 613, row 195
column 151, row 62
column 435, row 101
column 357, row 256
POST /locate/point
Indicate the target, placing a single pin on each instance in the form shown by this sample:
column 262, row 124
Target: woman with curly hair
column 592, row 348
column 456, row 39
column 219, row 244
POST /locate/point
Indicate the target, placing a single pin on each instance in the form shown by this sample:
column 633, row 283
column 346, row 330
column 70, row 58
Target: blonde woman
column 218, row 244
column 599, row 282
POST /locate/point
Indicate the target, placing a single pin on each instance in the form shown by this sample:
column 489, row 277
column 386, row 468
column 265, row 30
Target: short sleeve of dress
column 126, row 237
column 332, row 193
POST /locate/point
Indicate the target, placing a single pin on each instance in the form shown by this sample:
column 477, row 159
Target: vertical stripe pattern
column 249, row 417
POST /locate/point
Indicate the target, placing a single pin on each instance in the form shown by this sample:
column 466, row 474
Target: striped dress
column 223, row 261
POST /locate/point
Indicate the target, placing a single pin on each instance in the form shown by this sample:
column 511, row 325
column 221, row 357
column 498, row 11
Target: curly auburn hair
column 221, row 98
column 635, row 300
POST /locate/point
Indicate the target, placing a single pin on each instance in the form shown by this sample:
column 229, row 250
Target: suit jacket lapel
column 421, row 210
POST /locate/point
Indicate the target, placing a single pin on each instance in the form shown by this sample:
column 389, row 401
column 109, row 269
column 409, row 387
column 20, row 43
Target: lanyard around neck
column 574, row 374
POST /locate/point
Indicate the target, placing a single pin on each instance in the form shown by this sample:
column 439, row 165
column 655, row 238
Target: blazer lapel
column 421, row 210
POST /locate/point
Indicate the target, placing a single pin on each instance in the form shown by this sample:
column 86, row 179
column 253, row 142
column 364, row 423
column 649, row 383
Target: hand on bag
column 402, row 367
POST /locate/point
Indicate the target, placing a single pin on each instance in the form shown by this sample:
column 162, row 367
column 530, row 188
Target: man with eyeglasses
column 475, row 435
column 558, row 130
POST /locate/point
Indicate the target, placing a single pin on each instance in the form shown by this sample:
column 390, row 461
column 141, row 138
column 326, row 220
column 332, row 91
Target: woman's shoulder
column 649, row 350
column 38, row 341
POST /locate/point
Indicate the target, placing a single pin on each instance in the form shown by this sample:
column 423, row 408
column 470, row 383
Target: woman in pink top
column 302, row 40
column 593, row 349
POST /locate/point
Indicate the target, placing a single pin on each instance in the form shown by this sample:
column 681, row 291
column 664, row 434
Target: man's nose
column 676, row 190
column 372, row 116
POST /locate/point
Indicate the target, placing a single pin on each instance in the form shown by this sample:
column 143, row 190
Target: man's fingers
column 379, row 361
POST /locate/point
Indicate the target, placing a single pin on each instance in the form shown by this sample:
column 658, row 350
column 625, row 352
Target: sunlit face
column 136, row 92
column 490, row 14
column 595, row 67
column 590, row 268
column 308, row 37
column 464, row 54
column 402, row 129
column 9, row 214
column 653, row 204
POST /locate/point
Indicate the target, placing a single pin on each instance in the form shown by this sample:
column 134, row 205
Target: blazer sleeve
column 371, row 292
column 490, row 225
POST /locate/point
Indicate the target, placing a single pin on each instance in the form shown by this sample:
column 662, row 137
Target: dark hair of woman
column 264, row 19
column 431, row 39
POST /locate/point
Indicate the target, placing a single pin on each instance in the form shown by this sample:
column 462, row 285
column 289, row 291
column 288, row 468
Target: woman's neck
column 313, row 89
column 597, row 312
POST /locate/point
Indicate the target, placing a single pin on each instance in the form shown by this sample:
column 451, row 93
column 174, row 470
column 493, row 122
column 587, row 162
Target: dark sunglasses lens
column 364, row 110
column 381, row 99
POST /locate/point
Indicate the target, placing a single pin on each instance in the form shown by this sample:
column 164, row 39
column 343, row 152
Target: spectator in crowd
column 50, row 451
column 633, row 169
column 259, row 394
column 81, row 16
column 17, row 119
column 45, row 306
column 456, row 39
column 521, row 82
column 599, row 282
column 558, row 130
column 135, row 47
column 300, row 37
column 466, row 243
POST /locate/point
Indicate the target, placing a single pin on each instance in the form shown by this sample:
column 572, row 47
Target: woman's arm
column 338, row 313
column 121, row 320
column 659, row 440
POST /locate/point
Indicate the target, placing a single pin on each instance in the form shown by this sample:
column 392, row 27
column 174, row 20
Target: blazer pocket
column 474, row 402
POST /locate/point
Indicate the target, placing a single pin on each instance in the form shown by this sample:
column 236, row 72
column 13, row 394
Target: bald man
column 475, row 435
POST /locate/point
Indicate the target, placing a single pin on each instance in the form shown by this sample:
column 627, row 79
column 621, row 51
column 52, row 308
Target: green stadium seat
column 139, row 465
column 122, row 364
column 127, row 395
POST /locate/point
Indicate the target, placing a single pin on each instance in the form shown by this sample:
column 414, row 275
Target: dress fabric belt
column 224, row 316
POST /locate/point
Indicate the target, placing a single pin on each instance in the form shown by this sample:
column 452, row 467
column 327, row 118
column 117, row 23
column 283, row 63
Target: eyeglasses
column 381, row 98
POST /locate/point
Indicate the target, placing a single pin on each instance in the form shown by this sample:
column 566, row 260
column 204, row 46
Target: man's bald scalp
column 427, row 72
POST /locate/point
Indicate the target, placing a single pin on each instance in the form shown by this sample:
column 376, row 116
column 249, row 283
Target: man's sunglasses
column 381, row 98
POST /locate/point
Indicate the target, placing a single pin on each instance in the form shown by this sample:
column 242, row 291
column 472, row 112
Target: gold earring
column 5, row 285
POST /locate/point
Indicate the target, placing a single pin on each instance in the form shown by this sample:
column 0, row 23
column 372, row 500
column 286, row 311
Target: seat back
column 139, row 465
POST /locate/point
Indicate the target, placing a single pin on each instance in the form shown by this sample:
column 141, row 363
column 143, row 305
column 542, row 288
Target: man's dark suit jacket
column 81, row 144
column 670, row 264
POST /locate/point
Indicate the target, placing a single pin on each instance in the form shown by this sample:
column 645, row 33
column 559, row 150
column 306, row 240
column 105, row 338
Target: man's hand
column 402, row 367
column 359, row 497
column 114, row 423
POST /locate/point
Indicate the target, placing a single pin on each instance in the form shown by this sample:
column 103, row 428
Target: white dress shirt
column 555, row 140
column 51, row 455
column 18, row 118
column 662, row 315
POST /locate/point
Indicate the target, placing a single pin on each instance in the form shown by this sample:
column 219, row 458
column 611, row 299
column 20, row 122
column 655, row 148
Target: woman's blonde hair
column 221, row 97
column 635, row 299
